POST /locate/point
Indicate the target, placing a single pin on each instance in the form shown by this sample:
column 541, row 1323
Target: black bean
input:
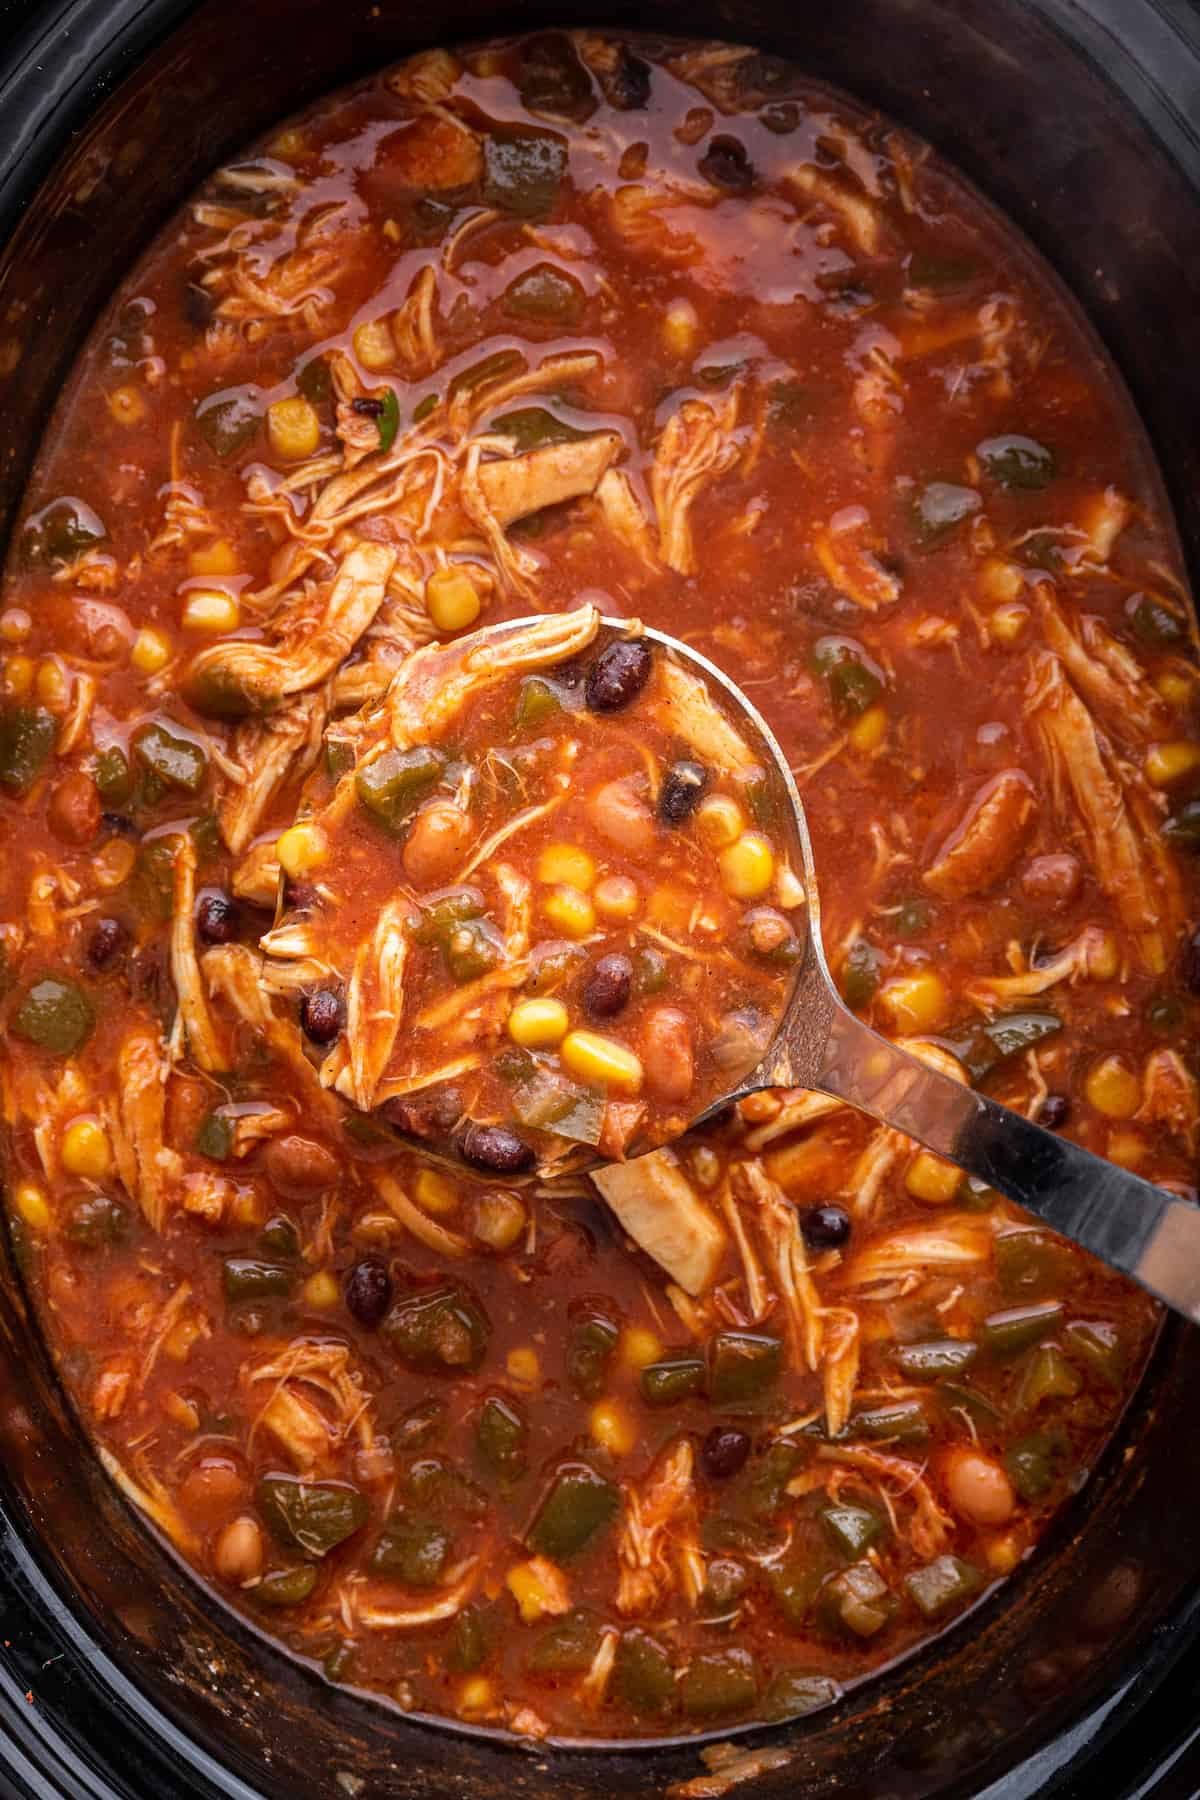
column 106, row 943
column 727, row 166
column 199, row 306
column 1189, row 963
column 825, row 1227
column 608, row 985
column 1056, row 1110
column 682, row 787
column 723, row 1452
column 627, row 85
column 368, row 405
column 218, row 919
column 117, row 825
column 496, row 1149
column 321, row 1015
column 618, row 675
column 368, row 1291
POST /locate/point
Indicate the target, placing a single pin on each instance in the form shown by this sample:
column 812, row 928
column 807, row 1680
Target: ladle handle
column 1146, row 1233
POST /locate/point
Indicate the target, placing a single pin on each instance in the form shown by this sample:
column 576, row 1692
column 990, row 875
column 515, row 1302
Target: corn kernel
column 612, row 1428
column 452, row 599
column 1000, row 581
column 537, row 1024
column 435, row 1193
column 85, row 1149
column 15, row 625
column 639, row 1346
column 1175, row 689
column 616, row 897
column 53, row 684
column 33, row 1206
column 151, row 651
column 531, row 1593
column 301, row 850
column 1008, row 623
column 1113, row 1089
column 321, row 1290
column 915, row 1003
column 211, row 610
column 523, row 1366
column 475, row 1697
column 869, row 730
column 18, row 677
column 569, row 911
column 680, row 327
column 747, row 867
column 127, row 406
column 1003, row 1554
column 247, row 1207
column 373, row 344
column 932, row 1180
column 1166, row 763
column 1127, row 1148
column 113, row 863
column 719, row 821
column 568, row 864
column 500, row 1218
column 596, row 1058
column 293, row 428
column 217, row 558
column 291, row 145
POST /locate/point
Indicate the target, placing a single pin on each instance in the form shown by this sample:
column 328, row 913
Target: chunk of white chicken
column 987, row 840
column 665, row 1217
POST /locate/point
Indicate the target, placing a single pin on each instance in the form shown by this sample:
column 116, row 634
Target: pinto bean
column 436, row 843
column 298, row 1166
column 210, row 1488
column 74, row 811
column 1052, row 880
column 619, row 815
column 978, row 1488
column 667, row 1056
column 238, row 1551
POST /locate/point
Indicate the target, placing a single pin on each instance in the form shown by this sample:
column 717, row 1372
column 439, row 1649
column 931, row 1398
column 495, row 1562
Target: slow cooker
column 118, row 1675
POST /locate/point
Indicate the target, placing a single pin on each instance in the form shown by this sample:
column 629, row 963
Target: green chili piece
column 537, row 700
column 315, row 381
column 176, row 761
column 643, row 1677
column 790, row 405
column 55, row 1015
column 957, row 1397
column 860, row 974
column 97, row 1222
column 313, row 1516
column 339, row 758
column 939, row 273
column 285, row 1587
column 437, row 918
column 501, row 1436
column 852, row 1529
column 858, row 1600
column 62, row 531
column 936, row 1359
column 982, row 1048
column 389, row 786
column 388, row 420
column 672, row 1379
column 568, row 1647
column 279, row 1236
column 419, row 1425
column 251, row 1278
column 338, row 1662
column 742, row 1365
column 718, row 1682
column 1020, row 464
column 473, row 949
column 27, row 738
column 769, row 1474
column 523, row 170
column 725, row 1582
column 489, row 368
column 114, row 781
column 1046, row 1376
column 1097, row 1345
column 1020, row 1327
column 943, row 1586
column 440, row 1487
column 1032, row 1463
column 411, row 1547
column 580, row 1503
column 544, row 294
column 793, row 1695
column 1032, row 1264
column 795, row 1583
column 155, row 875
column 468, row 1648
column 905, row 1421
column 650, row 971
column 591, row 1340
column 228, row 420
column 444, row 1329
column 214, row 1139
column 533, row 427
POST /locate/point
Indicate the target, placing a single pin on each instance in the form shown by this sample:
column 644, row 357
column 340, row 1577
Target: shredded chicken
column 193, row 1022
column 657, row 1515
column 987, row 840
column 779, row 1225
column 1092, row 956
column 663, row 1214
column 145, row 1165
column 698, row 445
column 1170, row 1096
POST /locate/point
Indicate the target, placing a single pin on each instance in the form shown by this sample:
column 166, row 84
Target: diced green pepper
column 279, row 1236
column 1046, row 1376
column 1164, row 1014
column 315, row 381
column 96, row 1221
column 911, row 917
column 62, row 531
column 419, row 1425
column 1032, row 1264
column 27, row 737
column 957, row 1397
column 718, row 1682
column 390, row 786
column 650, row 971
column 468, row 1649
column 437, row 918
column 853, row 688
column 537, row 700
column 545, row 294
column 176, row 761
column 982, row 1048
column 1158, row 625
column 792, row 1695
column 672, row 1379
column 562, row 1107
column 943, row 1586
column 579, row 1503
column 725, row 1581
column 860, row 974
column 339, row 758
column 858, row 1600
column 444, row 1329
column 591, row 1339
column 905, row 1421
column 1098, row 1346
column 412, row 1548
column 501, row 1436
column 473, row 949
column 1033, row 1461
column 568, row 1647
column 388, row 421
column 795, row 1581
column 1017, row 463
column 313, row 1516
column 1020, row 1327
column 940, row 506
column 643, row 1676
column 112, row 775
column 155, row 875
column 852, row 1529
column 205, row 834
column 533, row 427
column 523, row 170
column 790, row 405
column 251, row 1278
column 214, row 1139
column 487, row 369
column 769, row 1474
column 742, row 1365
column 228, row 420
column 441, row 1487
column 934, row 1360
column 338, row 1662
column 55, row 1015
column 286, row 1587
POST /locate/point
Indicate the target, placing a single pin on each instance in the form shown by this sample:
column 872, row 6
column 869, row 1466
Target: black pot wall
column 1082, row 120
